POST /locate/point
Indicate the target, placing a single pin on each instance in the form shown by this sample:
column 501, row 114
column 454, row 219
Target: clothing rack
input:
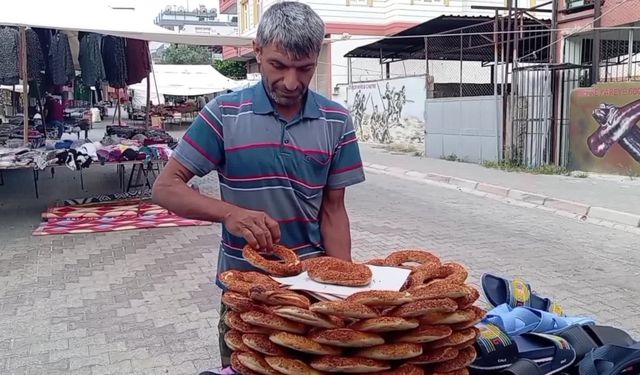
column 25, row 83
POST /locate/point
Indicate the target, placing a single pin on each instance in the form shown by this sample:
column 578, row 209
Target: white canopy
column 95, row 16
column 181, row 80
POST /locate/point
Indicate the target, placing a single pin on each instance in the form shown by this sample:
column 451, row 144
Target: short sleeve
column 346, row 166
column 201, row 149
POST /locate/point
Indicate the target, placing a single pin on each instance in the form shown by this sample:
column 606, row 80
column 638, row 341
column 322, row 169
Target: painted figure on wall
column 377, row 114
column 617, row 125
column 604, row 135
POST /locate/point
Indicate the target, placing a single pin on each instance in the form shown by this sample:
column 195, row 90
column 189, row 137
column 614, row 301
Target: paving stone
column 106, row 348
column 154, row 310
column 138, row 354
column 123, row 367
column 157, row 361
column 77, row 352
column 76, row 363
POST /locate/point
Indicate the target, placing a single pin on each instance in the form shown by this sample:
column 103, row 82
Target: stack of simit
column 428, row 327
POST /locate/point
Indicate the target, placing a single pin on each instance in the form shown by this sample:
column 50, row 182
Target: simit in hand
column 259, row 230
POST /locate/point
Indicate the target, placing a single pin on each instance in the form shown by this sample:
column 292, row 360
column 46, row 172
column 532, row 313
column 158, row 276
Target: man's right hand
column 257, row 228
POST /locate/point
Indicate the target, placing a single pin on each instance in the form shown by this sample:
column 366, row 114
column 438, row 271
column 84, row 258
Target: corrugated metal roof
column 445, row 39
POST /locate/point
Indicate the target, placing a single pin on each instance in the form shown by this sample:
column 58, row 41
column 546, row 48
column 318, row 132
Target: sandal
column 523, row 367
column 516, row 293
column 220, row 371
column 611, row 360
column 498, row 351
column 519, row 320
column 586, row 338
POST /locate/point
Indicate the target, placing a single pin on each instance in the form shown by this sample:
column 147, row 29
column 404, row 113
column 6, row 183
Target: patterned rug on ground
column 109, row 216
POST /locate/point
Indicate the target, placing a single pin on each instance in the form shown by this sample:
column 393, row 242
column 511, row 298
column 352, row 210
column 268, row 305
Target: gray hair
column 293, row 26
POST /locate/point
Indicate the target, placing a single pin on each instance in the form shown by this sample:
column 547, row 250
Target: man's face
column 286, row 78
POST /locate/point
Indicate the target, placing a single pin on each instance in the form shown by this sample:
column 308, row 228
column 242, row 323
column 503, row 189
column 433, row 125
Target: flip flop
column 516, row 293
column 523, row 367
column 586, row 338
column 611, row 360
column 519, row 320
column 497, row 351
column 220, row 371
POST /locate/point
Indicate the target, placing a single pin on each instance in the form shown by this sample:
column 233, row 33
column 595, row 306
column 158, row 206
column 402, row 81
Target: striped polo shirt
column 268, row 164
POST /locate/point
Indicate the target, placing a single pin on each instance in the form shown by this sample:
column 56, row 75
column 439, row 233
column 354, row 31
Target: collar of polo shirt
column 262, row 104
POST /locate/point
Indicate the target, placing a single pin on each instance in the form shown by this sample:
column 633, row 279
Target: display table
column 140, row 168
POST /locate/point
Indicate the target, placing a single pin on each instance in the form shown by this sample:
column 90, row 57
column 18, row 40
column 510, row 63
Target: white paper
column 325, row 297
column 383, row 278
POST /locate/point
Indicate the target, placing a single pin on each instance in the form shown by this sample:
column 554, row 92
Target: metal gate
column 531, row 109
column 539, row 112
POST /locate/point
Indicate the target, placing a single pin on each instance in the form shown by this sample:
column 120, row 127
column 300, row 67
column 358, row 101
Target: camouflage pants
column 225, row 351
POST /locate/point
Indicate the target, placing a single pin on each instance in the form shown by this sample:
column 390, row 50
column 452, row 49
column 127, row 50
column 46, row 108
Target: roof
column 477, row 46
column 94, row 16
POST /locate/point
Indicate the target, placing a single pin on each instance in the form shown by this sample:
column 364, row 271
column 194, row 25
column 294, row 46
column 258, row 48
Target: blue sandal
column 519, row 320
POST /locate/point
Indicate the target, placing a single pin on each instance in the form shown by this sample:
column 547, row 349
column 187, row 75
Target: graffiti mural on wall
column 604, row 135
column 388, row 111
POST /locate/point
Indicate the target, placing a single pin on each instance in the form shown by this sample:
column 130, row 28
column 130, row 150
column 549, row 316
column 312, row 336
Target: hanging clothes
column 60, row 60
column 115, row 61
column 9, row 68
column 44, row 37
column 90, row 58
column 35, row 57
column 138, row 61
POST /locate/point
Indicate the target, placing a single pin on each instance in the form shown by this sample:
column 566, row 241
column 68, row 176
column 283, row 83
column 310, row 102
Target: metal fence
column 450, row 78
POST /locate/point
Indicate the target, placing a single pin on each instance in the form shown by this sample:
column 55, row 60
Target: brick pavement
column 142, row 302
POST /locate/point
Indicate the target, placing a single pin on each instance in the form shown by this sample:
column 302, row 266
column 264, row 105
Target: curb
column 562, row 206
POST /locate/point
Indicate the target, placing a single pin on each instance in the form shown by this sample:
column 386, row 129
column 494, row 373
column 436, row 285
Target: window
column 360, row 3
column 580, row 5
column 256, row 12
column 244, row 15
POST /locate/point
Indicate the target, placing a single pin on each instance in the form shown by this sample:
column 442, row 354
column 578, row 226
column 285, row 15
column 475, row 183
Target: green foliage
column 510, row 166
column 181, row 54
column 230, row 68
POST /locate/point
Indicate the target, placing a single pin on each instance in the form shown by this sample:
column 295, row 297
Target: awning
column 477, row 46
column 95, row 16
column 183, row 80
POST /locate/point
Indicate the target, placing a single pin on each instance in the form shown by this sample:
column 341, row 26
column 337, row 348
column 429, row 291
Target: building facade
column 349, row 24
column 198, row 21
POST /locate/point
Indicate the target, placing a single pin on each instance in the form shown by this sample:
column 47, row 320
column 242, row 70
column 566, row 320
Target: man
column 284, row 154
column 54, row 114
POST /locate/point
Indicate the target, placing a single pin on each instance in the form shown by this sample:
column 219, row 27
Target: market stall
column 69, row 50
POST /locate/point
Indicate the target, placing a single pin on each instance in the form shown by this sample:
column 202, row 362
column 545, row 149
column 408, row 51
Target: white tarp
column 95, row 16
column 181, row 80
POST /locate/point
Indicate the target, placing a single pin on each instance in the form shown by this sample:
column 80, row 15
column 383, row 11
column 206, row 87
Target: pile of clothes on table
column 25, row 157
column 145, row 136
column 80, row 154
column 12, row 133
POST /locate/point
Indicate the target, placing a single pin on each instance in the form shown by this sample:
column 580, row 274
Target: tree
column 181, row 54
column 230, row 68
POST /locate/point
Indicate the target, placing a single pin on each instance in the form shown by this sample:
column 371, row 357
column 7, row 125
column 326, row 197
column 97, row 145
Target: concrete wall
column 464, row 127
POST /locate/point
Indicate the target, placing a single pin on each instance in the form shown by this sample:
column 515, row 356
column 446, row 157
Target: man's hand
column 257, row 228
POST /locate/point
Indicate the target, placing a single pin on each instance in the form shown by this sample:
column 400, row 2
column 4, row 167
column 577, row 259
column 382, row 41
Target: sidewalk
column 619, row 194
